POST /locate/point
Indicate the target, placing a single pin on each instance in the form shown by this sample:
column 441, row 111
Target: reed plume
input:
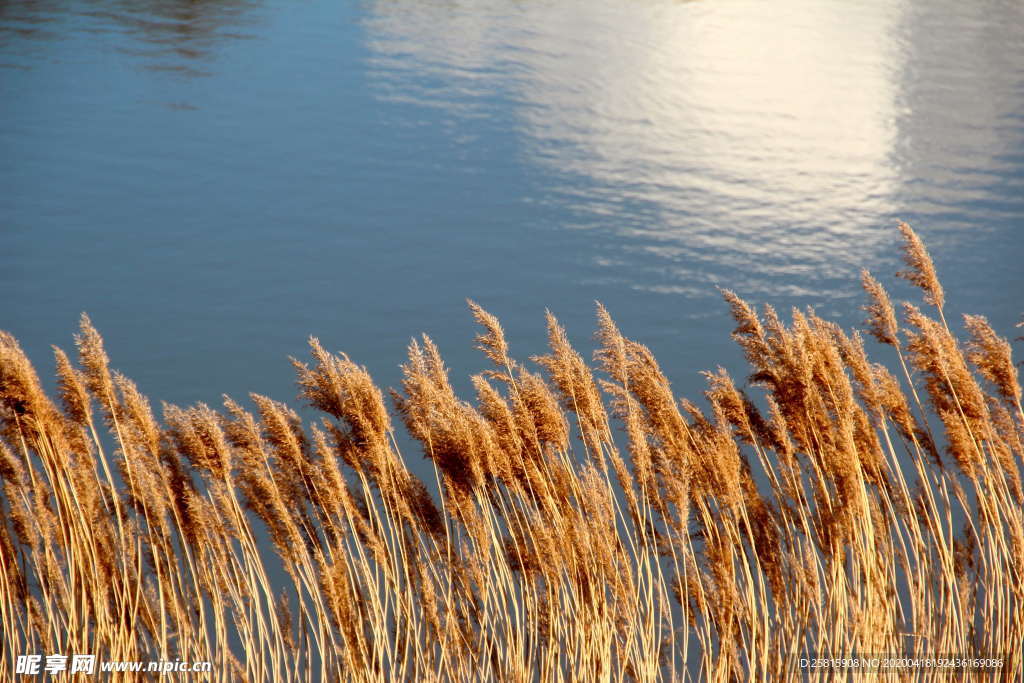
column 578, row 520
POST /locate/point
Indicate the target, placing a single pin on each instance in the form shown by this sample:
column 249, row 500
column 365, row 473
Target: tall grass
column 590, row 525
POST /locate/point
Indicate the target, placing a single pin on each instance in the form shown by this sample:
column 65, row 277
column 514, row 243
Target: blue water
column 214, row 181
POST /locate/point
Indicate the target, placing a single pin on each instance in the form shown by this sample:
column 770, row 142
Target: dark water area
column 215, row 180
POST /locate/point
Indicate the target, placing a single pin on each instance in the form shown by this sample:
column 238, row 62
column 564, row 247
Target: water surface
column 215, row 180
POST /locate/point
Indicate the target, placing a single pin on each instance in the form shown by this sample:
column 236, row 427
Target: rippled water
column 214, row 180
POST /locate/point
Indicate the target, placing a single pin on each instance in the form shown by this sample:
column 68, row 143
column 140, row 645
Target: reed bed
column 585, row 523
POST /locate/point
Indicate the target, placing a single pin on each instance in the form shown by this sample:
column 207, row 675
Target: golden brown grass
column 589, row 527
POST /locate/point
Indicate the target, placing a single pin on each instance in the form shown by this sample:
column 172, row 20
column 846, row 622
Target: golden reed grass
column 588, row 526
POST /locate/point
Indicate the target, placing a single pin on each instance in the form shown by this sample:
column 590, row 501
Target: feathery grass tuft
column 587, row 524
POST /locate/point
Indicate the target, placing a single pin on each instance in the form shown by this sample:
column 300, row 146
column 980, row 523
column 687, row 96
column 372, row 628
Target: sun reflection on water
column 700, row 141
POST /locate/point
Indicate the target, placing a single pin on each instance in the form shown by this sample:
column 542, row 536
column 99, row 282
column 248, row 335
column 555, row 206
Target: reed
column 587, row 523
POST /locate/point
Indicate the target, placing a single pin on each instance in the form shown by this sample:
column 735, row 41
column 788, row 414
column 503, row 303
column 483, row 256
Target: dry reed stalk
column 816, row 515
